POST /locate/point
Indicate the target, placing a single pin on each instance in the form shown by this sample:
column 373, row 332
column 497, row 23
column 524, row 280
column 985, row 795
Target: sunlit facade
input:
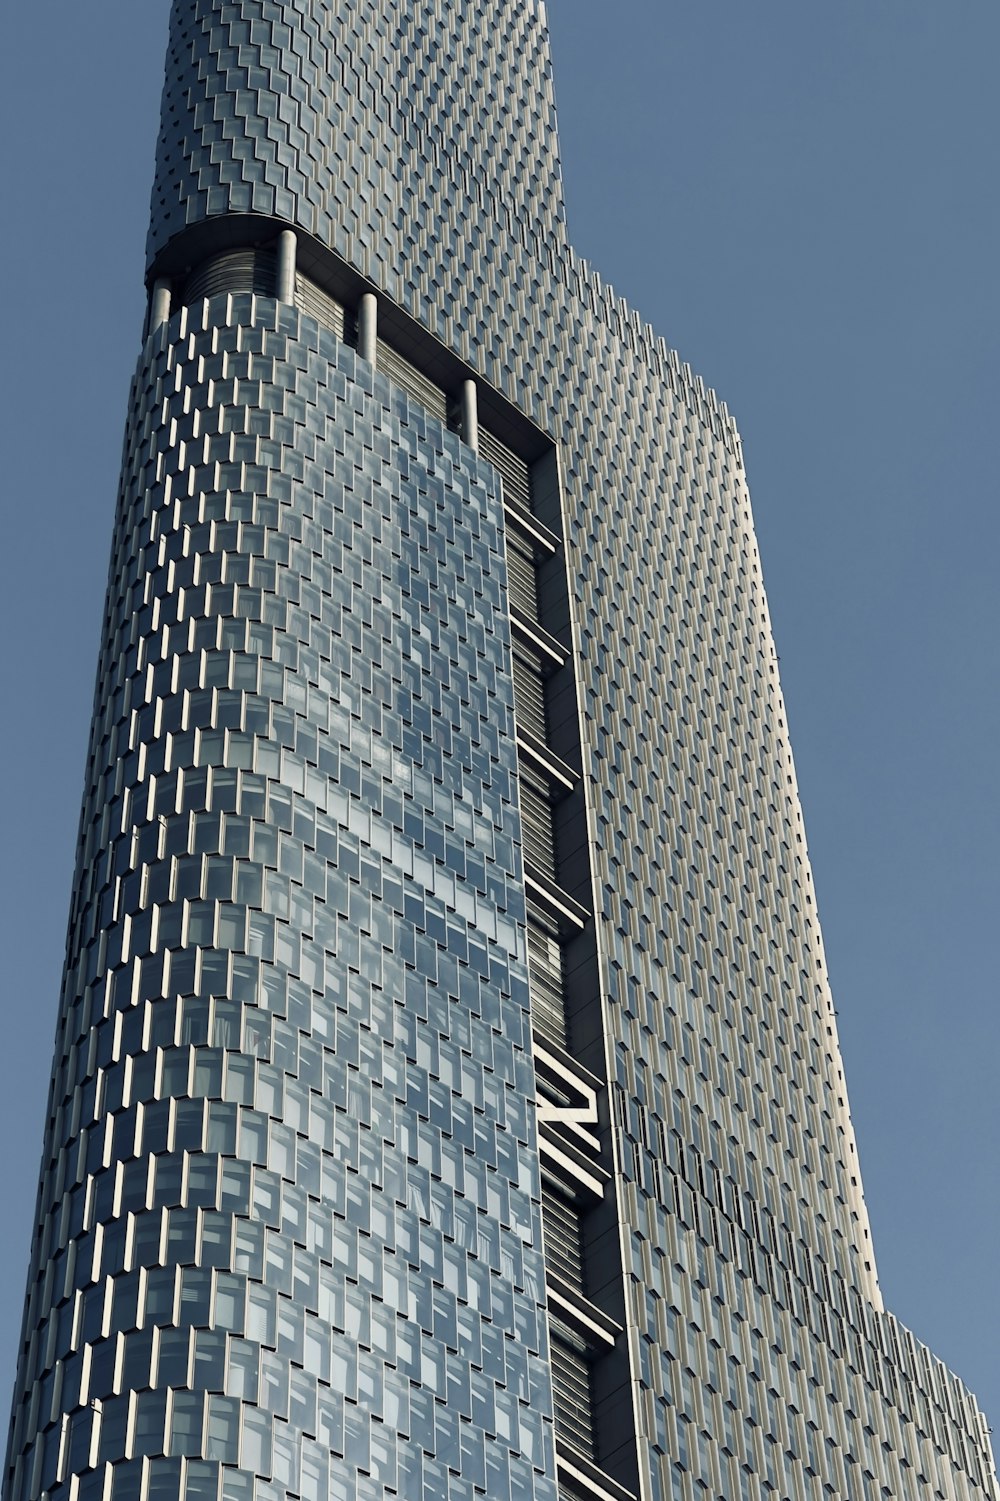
column 447, row 1100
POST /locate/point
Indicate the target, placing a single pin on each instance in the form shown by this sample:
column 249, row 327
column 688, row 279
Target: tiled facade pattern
column 290, row 1203
column 417, row 143
column 415, row 140
column 764, row 1359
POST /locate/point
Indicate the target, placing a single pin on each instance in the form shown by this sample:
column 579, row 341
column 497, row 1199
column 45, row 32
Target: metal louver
column 563, row 1239
column 529, row 690
column 248, row 269
column 515, row 472
column 545, row 979
column 522, row 581
column 312, row 300
column 571, row 1388
column 399, row 370
column 537, row 834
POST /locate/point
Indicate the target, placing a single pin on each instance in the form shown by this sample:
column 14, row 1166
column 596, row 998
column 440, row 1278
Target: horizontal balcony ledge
column 554, row 653
column 569, row 1170
column 580, row 1313
column 567, row 1068
column 332, row 274
column 563, row 777
column 572, row 1133
column 567, row 912
column 528, row 523
column 585, row 1478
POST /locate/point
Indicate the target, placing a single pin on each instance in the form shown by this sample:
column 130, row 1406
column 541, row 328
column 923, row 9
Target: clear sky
column 803, row 200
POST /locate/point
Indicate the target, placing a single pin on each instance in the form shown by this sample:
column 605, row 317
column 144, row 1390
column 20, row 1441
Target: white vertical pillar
column 286, row 266
column 368, row 328
column 470, row 415
column 159, row 304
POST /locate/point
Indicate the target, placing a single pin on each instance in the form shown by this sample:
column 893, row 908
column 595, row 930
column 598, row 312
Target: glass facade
column 447, row 1099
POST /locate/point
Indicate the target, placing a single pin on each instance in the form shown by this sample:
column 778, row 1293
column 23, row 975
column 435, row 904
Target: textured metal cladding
column 417, row 141
column 762, row 1350
column 290, row 1174
column 289, row 1222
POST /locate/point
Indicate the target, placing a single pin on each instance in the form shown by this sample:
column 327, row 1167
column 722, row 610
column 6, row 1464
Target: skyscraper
column 438, row 765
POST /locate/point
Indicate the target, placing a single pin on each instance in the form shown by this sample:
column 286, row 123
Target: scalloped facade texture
column 288, row 1235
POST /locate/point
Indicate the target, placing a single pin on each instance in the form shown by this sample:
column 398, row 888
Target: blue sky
column 803, row 201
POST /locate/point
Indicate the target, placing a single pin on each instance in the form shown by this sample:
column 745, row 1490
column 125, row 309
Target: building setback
column 447, row 1099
